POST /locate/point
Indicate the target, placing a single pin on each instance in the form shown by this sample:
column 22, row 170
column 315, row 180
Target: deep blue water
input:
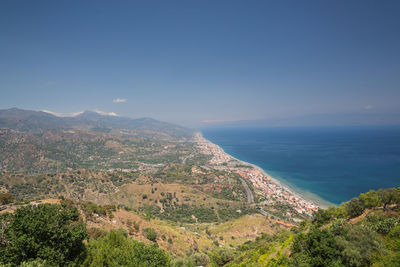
column 334, row 163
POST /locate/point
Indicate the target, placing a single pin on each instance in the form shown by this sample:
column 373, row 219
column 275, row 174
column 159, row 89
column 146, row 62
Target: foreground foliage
column 335, row 237
column 362, row 232
column 115, row 249
column 51, row 233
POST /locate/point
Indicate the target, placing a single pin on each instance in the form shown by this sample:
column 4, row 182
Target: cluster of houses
column 261, row 182
column 266, row 187
column 207, row 148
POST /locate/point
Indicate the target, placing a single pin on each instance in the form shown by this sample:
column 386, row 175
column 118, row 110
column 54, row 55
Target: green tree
column 35, row 263
column 321, row 217
column 51, row 233
column 115, row 249
column 150, row 234
column 318, row 247
column 221, row 256
column 6, row 198
column 370, row 199
column 200, row 259
column 389, row 196
column 341, row 244
column 355, row 207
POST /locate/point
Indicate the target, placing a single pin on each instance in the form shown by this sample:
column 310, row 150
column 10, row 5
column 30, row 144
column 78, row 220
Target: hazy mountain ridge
column 37, row 142
column 40, row 121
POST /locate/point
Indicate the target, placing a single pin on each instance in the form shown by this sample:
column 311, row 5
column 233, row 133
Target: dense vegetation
column 362, row 232
column 192, row 214
column 115, row 249
column 51, row 233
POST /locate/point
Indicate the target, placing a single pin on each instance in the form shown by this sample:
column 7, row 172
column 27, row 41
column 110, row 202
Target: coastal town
column 263, row 184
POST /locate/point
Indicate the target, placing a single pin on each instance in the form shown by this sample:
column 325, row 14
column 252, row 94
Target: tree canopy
column 115, row 249
column 48, row 232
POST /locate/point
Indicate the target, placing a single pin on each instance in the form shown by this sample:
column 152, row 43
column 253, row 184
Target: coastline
column 310, row 198
column 316, row 200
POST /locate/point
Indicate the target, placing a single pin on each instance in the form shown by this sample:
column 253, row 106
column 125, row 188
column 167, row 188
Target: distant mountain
column 29, row 121
column 38, row 121
column 39, row 142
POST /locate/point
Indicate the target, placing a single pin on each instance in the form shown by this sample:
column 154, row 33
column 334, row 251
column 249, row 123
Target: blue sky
column 193, row 61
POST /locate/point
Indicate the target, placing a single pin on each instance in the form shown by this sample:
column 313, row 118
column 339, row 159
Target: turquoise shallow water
column 334, row 163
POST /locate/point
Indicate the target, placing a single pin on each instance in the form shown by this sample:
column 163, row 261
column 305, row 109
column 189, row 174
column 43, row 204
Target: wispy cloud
column 73, row 114
column 120, row 100
column 105, row 113
column 53, row 113
column 368, row 107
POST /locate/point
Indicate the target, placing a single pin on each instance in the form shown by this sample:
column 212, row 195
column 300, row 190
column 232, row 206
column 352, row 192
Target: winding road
column 188, row 156
column 249, row 194
column 250, row 200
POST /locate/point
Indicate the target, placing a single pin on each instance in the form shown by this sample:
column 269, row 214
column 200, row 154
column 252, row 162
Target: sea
column 326, row 164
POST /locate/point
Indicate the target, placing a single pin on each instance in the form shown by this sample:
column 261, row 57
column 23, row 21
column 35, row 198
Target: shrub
column 35, row 263
column 115, row 249
column 6, row 198
column 321, row 217
column 389, row 196
column 182, row 262
column 150, row 234
column 200, row 259
column 221, row 256
column 355, row 207
column 370, row 199
column 49, row 232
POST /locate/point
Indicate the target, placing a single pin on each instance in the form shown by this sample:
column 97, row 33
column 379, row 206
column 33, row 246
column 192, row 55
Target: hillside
column 147, row 166
column 124, row 186
column 40, row 121
column 362, row 232
column 175, row 237
column 167, row 175
column 38, row 142
column 152, row 168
